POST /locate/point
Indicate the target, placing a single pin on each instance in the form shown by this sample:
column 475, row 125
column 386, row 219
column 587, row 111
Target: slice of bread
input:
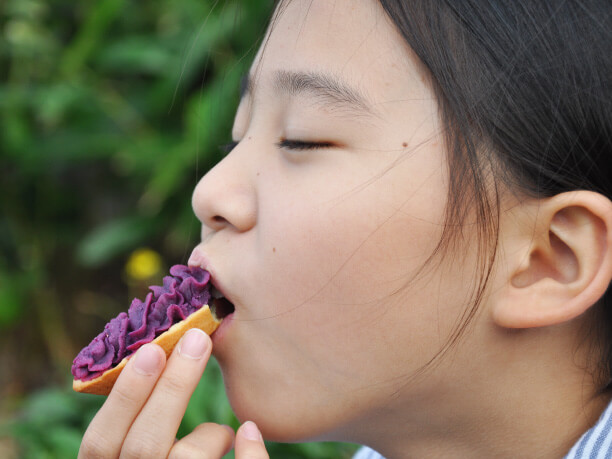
column 202, row 319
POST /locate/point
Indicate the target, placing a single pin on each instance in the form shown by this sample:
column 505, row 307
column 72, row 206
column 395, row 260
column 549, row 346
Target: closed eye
column 302, row 145
column 284, row 143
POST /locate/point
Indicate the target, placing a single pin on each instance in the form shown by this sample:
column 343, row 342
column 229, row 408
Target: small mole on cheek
column 273, row 249
column 405, row 144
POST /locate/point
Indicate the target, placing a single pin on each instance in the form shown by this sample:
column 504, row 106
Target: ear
column 558, row 252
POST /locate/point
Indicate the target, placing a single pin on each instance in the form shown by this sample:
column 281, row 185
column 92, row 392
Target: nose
column 225, row 197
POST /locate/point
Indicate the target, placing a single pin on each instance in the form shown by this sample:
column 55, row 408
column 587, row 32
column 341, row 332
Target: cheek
column 344, row 256
column 357, row 241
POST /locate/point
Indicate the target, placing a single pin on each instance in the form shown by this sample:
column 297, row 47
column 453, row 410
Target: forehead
column 353, row 40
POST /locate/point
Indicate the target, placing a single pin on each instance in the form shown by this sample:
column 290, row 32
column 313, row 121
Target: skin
column 322, row 253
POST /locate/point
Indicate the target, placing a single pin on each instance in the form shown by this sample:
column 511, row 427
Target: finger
column 249, row 442
column 207, row 440
column 152, row 433
column 107, row 430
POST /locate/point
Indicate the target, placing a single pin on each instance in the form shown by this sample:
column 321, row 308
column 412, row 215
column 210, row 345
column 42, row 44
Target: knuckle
column 174, row 385
column 183, row 450
column 141, row 448
column 124, row 397
column 207, row 441
column 131, row 449
column 94, row 445
column 253, row 455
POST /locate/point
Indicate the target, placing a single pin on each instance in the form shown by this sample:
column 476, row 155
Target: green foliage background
column 110, row 112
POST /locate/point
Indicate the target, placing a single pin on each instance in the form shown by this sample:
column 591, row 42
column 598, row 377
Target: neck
column 511, row 410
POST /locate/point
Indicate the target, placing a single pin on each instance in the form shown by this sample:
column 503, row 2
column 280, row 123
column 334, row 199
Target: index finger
column 108, row 429
column 155, row 428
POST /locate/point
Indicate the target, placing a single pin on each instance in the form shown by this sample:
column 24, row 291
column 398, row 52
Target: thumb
column 249, row 442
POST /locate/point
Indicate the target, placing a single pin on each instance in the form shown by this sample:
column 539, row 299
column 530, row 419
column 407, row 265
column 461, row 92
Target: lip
column 221, row 330
column 200, row 260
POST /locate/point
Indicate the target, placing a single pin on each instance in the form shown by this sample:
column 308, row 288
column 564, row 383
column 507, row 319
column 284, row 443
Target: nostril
column 218, row 222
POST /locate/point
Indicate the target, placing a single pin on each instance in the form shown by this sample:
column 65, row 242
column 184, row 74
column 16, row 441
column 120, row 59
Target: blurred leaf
column 16, row 132
column 26, row 8
column 64, row 442
column 55, row 100
column 10, row 303
column 14, row 287
column 136, row 54
column 90, row 35
column 51, row 422
column 50, row 406
column 116, row 237
column 207, row 114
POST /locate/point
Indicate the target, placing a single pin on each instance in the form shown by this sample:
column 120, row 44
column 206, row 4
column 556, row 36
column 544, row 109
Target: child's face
column 320, row 249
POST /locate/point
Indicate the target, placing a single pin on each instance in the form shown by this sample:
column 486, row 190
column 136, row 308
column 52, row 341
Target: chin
column 274, row 424
column 277, row 419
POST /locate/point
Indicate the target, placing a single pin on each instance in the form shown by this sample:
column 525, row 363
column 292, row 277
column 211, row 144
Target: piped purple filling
column 183, row 292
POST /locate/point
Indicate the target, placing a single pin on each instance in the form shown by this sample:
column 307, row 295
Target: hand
column 142, row 414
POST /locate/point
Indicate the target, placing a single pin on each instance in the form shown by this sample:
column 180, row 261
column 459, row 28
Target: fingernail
column 147, row 360
column 193, row 344
column 250, row 431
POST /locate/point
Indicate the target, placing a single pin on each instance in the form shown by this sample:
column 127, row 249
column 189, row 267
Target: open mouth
column 220, row 306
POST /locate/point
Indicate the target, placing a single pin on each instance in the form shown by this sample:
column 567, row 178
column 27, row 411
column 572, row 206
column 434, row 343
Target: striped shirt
column 596, row 443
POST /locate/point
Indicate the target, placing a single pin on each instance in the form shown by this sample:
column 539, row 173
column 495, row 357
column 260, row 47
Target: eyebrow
column 327, row 90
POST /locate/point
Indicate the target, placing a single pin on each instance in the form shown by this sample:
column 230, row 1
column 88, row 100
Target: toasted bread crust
column 202, row 319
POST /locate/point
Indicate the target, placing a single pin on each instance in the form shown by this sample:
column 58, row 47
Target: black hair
column 525, row 93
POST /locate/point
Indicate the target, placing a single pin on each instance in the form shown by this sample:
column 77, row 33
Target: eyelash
column 285, row 143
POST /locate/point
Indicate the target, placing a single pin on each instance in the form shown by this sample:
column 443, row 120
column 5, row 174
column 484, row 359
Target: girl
column 415, row 231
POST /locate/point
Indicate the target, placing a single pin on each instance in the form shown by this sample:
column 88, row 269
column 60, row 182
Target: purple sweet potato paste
column 185, row 291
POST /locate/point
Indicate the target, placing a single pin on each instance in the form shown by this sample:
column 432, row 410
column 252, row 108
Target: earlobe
column 559, row 260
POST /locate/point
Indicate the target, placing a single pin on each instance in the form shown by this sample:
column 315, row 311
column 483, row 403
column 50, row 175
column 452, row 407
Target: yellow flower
column 143, row 264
